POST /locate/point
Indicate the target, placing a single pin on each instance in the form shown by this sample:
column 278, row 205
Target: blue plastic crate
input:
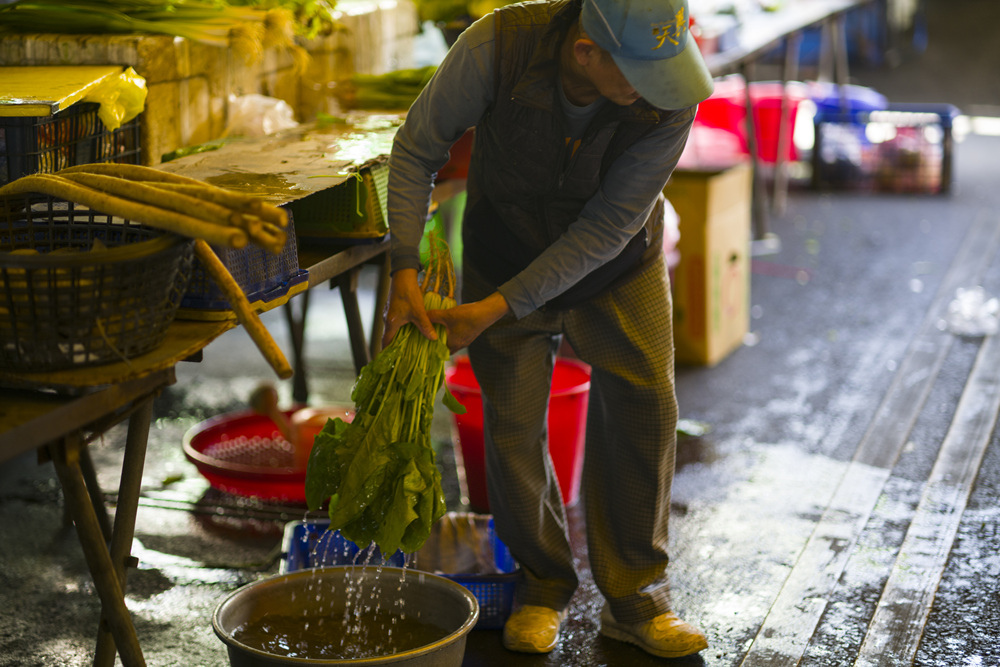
column 309, row 544
column 904, row 148
column 263, row 276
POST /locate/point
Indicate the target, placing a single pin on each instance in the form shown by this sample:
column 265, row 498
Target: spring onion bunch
column 248, row 28
column 379, row 471
column 312, row 18
column 392, row 90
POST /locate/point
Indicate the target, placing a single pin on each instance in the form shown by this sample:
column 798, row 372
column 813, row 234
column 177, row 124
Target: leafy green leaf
column 450, row 402
column 323, row 467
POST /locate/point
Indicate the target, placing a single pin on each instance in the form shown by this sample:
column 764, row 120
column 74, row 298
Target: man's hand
column 466, row 321
column 406, row 304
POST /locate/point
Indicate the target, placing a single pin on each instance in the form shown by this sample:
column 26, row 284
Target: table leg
column 790, row 73
column 839, row 36
column 125, row 514
column 381, row 298
column 297, row 332
column 348, row 285
column 94, row 487
column 833, row 63
column 65, row 457
column 759, row 215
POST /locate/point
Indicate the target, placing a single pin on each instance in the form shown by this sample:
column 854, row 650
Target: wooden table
column 57, row 413
column 306, row 170
column 59, row 426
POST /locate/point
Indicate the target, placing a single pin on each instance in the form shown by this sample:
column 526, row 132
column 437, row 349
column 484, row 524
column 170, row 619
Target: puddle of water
column 270, row 187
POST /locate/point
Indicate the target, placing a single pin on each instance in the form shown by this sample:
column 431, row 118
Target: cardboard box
column 711, row 283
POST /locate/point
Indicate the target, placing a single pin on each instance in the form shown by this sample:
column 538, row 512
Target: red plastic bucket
column 566, row 423
column 725, row 110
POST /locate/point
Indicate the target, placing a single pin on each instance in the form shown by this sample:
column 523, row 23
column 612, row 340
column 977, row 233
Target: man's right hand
column 406, row 304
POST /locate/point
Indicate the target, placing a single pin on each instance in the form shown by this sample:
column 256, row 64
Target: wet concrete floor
column 841, row 510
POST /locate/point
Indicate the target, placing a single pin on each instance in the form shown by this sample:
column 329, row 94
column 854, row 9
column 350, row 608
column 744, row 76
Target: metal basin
column 439, row 601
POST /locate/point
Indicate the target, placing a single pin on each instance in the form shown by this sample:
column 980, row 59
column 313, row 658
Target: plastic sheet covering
column 256, row 115
column 459, row 542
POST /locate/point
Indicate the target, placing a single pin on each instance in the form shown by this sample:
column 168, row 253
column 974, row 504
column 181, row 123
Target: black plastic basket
column 79, row 287
column 73, row 136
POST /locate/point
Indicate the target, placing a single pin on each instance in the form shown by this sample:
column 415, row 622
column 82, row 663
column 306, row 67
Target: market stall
column 58, row 406
column 757, row 36
column 330, row 178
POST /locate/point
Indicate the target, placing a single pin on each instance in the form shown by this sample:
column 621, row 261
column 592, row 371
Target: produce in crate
column 379, row 471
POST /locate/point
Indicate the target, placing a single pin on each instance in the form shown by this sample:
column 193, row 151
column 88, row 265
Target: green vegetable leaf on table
column 379, row 471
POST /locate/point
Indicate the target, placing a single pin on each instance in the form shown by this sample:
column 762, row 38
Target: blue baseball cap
column 650, row 42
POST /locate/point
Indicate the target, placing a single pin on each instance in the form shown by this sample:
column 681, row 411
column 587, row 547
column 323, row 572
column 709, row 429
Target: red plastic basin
column 566, row 425
column 244, row 454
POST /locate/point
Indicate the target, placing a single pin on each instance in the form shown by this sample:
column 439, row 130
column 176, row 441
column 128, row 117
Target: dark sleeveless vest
column 525, row 185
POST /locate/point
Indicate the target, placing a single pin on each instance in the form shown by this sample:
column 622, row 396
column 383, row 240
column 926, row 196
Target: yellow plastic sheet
column 122, row 98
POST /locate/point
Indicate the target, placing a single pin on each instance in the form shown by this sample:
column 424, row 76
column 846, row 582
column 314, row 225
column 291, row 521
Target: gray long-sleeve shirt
column 454, row 100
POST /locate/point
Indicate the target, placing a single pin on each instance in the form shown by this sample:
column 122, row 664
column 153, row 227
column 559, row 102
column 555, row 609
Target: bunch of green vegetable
column 394, row 90
column 379, row 470
column 312, row 17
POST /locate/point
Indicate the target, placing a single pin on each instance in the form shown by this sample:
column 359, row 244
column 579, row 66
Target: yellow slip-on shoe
column 665, row 636
column 532, row 629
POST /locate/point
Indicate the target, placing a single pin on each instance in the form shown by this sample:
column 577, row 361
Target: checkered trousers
column 626, row 335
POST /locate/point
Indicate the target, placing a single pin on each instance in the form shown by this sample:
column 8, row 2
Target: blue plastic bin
column 833, row 98
column 905, row 148
column 262, row 275
column 310, row 543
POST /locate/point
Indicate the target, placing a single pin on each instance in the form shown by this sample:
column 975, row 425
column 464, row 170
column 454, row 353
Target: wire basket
column 73, row 136
column 79, row 287
column 906, row 148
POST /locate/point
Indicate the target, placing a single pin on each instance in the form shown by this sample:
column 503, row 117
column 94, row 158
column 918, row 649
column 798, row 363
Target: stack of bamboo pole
column 185, row 206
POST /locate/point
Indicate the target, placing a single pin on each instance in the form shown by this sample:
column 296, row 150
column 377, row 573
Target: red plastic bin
column 567, row 422
column 725, row 109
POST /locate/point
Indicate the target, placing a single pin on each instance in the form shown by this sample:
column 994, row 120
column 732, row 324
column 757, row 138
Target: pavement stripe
column 790, row 623
column 890, row 428
column 902, row 611
column 795, row 613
